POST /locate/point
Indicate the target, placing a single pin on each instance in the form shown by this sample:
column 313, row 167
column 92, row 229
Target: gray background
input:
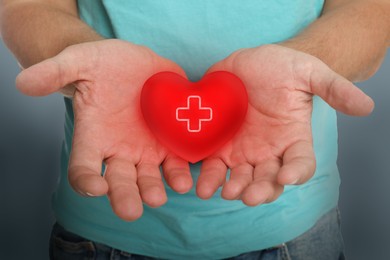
column 31, row 131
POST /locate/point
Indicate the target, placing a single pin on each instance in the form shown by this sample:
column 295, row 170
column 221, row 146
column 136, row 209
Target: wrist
column 31, row 38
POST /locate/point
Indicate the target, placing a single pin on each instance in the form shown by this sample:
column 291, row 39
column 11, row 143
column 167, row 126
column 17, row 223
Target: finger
column 338, row 92
column 121, row 176
column 261, row 192
column 85, row 166
column 168, row 65
column 212, row 176
column 177, row 174
column 225, row 63
column 299, row 164
column 264, row 188
column 161, row 64
column 220, row 66
column 240, row 177
column 51, row 75
column 151, row 186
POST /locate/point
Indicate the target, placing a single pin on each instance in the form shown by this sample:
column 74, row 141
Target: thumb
column 223, row 65
column 165, row 64
column 220, row 66
column 226, row 64
column 50, row 75
column 338, row 92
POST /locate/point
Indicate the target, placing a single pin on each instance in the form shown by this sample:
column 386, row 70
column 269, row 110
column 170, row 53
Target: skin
column 108, row 124
column 274, row 147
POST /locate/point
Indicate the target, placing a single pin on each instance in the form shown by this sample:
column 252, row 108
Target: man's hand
column 274, row 146
column 108, row 76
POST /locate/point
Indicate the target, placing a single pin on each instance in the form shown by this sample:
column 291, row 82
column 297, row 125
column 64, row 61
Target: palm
column 266, row 137
column 274, row 146
column 108, row 77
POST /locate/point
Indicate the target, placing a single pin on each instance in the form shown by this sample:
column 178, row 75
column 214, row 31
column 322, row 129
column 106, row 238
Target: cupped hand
column 274, row 146
column 108, row 77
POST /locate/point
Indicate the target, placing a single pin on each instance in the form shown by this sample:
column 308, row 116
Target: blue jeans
column 322, row 242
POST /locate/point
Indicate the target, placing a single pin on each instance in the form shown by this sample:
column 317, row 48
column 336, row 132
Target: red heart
column 193, row 120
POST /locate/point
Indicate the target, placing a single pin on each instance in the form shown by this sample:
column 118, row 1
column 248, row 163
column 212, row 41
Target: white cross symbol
column 194, row 114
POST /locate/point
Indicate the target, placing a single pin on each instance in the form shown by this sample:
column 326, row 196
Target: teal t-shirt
column 196, row 34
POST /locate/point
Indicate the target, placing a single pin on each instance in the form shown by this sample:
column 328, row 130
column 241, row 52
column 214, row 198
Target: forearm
column 36, row 30
column 351, row 37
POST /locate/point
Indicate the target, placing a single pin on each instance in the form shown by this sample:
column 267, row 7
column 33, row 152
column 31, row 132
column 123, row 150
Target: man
column 274, row 147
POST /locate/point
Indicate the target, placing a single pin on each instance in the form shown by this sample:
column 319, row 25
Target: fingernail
column 82, row 193
column 294, row 182
column 86, row 194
